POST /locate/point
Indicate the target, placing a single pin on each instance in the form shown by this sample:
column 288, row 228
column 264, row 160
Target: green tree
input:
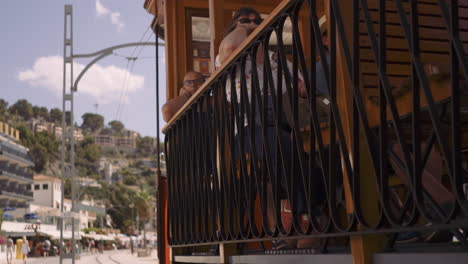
column 3, row 107
column 122, row 206
column 55, row 116
column 143, row 205
column 92, row 122
column 129, row 180
column 41, row 112
column 43, row 147
column 22, row 108
column 91, row 151
column 145, row 145
column 116, row 126
column 87, row 157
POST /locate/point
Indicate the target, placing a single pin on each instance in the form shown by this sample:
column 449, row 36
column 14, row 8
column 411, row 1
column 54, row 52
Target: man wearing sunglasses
column 192, row 81
column 278, row 132
column 244, row 22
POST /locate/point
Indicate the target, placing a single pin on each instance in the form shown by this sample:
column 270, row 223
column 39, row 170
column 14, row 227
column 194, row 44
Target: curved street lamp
column 68, row 170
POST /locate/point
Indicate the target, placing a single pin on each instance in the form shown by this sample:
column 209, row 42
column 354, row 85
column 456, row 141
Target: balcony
column 15, row 173
column 14, row 153
column 18, row 193
column 376, row 156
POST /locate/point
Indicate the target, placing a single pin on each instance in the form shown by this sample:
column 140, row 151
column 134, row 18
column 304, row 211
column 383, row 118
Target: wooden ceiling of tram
column 156, row 7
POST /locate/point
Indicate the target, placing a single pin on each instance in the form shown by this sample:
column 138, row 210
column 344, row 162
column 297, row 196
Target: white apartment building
column 47, row 199
column 47, row 191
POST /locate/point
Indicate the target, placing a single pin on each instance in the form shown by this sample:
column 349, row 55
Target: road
column 108, row 257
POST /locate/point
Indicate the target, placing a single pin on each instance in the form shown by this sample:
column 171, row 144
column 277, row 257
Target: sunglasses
column 194, row 81
column 248, row 20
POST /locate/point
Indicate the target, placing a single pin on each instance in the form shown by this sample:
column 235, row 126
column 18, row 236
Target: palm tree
column 143, row 206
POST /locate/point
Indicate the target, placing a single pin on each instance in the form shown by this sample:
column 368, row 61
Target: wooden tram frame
column 174, row 16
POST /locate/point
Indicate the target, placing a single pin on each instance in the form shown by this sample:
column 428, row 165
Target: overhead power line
column 127, row 76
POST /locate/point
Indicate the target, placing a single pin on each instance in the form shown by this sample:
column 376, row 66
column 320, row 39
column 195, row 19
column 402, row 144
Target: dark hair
column 243, row 11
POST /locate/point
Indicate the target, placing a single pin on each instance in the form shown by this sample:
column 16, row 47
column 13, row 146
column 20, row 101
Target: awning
column 99, row 237
column 18, row 229
column 55, row 234
column 123, row 238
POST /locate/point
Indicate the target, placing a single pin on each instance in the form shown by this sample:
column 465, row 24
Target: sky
column 31, row 55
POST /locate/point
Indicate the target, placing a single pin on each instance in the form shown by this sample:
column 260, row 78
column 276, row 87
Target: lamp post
column 70, row 86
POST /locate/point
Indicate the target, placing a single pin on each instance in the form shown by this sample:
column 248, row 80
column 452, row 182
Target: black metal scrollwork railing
column 225, row 178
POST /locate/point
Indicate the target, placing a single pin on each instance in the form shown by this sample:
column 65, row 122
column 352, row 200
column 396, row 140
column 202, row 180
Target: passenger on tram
column 278, row 132
column 192, row 81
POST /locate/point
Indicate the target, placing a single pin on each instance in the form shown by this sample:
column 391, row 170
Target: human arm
column 171, row 107
column 231, row 42
column 234, row 39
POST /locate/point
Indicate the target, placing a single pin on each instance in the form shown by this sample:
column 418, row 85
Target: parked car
column 31, row 216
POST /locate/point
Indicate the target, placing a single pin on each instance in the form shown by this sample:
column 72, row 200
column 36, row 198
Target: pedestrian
column 9, row 253
column 92, row 245
column 63, row 248
column 25, row 249
column 46, row 246
column 68, row 246
column 38, row 249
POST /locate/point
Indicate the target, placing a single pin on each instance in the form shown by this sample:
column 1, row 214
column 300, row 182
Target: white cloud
column 103, row 83
column 101, row 10
column 114, row 17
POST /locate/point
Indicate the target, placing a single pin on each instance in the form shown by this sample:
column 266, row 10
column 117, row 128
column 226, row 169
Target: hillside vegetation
column 131, row 195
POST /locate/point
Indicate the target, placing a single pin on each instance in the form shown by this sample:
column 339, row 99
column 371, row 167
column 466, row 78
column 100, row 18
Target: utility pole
column 68, row 140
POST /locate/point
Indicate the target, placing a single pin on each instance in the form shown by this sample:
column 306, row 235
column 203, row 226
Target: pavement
column 108, row 257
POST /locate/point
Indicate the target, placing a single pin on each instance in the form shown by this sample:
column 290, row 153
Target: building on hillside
column 47, row 202
column 41, row 128
column 88, row 182
column 15, row 169
column 88, row 212
column 126, row 142
column 47, row 191
column 108, row 172
column 104, row 140
column 57, row 132
column 109, row 168
column 78, row 134
column 39, row 125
